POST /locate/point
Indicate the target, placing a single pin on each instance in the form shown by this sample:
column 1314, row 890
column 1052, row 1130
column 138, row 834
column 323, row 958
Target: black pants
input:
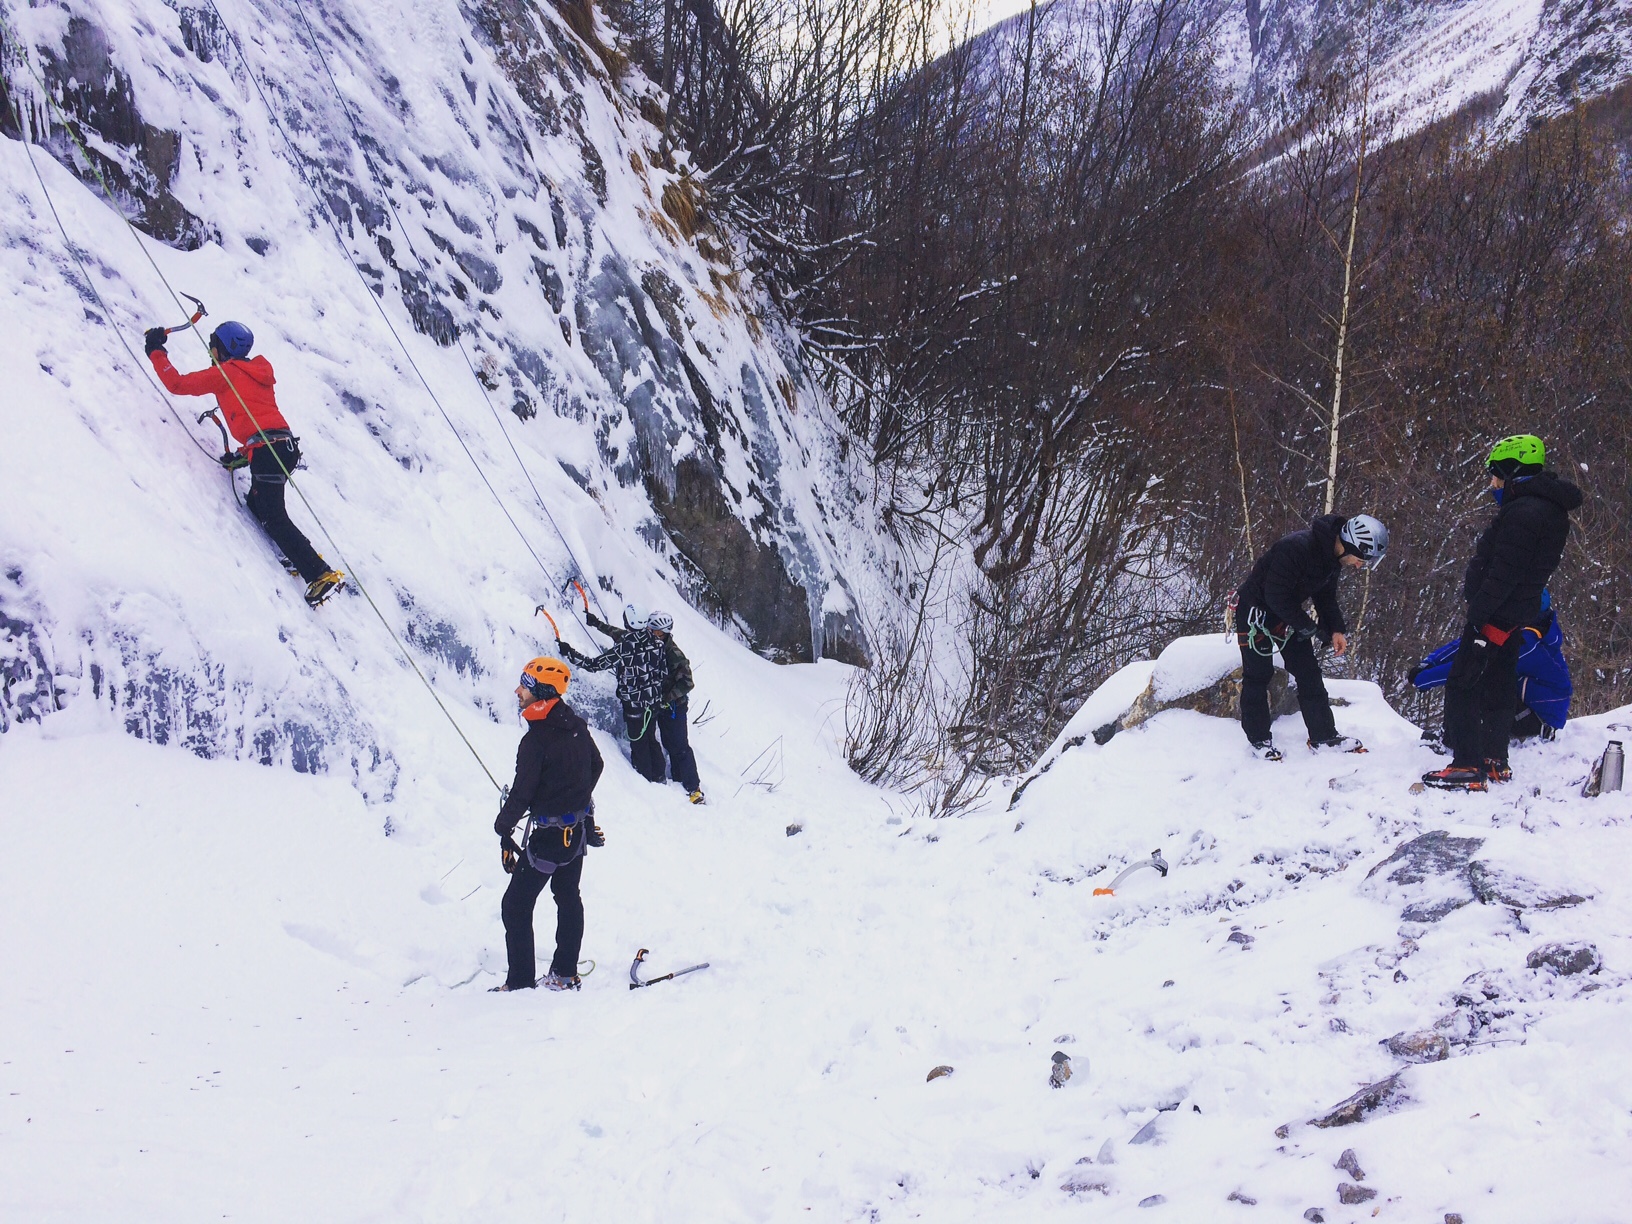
column 265, row 502
column 656, row 731
column 645, row 752
column 1256, row 670
column 671, row 728
column 517, row 911
column 1481, row 695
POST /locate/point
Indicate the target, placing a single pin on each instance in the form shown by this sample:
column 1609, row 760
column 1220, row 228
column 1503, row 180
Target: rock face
column 111, row 141
column 651, row 395
column 1566, row 959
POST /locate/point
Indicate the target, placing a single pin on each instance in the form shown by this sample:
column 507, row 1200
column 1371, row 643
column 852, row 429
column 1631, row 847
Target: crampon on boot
column 1265, row 750
column 1456, row 777
column 1338, row 743
column 319, row 590
column 1498, row 771
column 696, row 796
column 557, row 981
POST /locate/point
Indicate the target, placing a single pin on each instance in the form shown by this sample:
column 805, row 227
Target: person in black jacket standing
column 557, row 766
column 1503, row 586
column 1269, row 616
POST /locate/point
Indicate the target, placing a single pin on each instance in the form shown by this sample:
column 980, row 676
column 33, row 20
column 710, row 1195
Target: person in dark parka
column 557, row 766
column 1269, row 616
column 1512, row 563
column 1543, row 686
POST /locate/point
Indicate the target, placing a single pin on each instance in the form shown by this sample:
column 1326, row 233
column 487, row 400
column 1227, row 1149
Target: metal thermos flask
column 1614, row 766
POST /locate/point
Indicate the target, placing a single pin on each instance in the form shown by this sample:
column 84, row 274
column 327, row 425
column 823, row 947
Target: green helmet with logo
column 1517, row 455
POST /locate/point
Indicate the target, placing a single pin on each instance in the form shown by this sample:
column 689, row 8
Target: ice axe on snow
column 198, row 313
column 634, row 972
column 1155, row 861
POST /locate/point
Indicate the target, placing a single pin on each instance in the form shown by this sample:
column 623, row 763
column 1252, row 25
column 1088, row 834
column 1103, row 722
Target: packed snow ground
column 229, row 995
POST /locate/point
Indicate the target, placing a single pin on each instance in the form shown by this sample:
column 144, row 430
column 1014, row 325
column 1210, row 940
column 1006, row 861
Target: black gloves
column 233, row 460
column 509, row 856
column 593, row 836
column 506, row 842
column 153, row 339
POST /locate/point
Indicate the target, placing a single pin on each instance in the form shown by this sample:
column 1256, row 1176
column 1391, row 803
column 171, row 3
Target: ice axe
column 1156, row 862
column 634, row 972
column 543, row 611
column 198, row 313
column 214, row 414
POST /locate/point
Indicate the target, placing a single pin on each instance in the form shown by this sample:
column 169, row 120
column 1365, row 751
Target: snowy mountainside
column 481, row 176
column 272, row 1014
column 1535, row 58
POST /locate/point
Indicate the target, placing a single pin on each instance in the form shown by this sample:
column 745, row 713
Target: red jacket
column 251, row 379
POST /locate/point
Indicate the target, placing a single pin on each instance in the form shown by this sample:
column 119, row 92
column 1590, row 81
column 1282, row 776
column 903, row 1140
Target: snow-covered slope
column 227, row 995
column 1535, row 58
column 473, row 199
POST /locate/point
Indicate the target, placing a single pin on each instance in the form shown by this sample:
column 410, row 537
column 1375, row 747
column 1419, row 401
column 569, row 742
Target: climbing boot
column 1456, row 777
column 1265, row 750
column 319, row 590
column 557, row 981
column 1497, row 771
column 1338, row 743
column 696, row 796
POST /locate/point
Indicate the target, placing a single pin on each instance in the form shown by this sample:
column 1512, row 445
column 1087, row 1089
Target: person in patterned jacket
column 654, row 678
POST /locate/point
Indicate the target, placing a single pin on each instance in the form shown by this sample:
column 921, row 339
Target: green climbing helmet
column 1517, row 455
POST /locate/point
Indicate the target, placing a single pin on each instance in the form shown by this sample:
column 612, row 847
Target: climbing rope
column 300, row 166
column 288, row 475
column 146, row 370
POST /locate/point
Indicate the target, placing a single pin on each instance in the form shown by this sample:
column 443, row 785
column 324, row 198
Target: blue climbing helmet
column 233, row 339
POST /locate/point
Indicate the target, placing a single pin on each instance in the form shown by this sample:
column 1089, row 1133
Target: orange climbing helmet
column 545, row 677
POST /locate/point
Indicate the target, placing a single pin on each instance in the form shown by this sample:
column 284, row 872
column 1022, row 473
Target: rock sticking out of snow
column 1566, row 959
column 938, row 1073
column 1201, row 674
column 1421, row 1047
column 1429, row 873
column 1351, row 1195
column 1061, row 1070
column 1350, row 1164
column 1367, row 1101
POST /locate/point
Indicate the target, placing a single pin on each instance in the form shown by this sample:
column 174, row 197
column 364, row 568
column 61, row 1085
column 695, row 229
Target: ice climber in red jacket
column 242, row 387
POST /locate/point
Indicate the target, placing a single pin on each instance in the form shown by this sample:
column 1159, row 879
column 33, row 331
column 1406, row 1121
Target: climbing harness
column 578, row 822
column 645, row 725
column 1259, row 634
